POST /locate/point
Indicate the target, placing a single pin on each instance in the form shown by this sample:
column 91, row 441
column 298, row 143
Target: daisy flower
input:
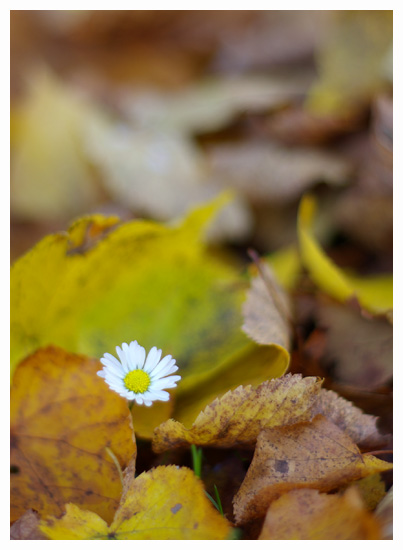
column 138, row 378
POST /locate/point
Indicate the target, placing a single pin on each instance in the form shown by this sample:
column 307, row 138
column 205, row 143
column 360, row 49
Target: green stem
column 197, row 457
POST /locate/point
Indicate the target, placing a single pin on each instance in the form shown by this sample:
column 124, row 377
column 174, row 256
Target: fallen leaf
column 366, row 360
column 140, row 280
column 308, row 515
column 166, row 503
column 286, row 265
column 375, row 293
column 352, row 61
column 63, row 417
column 238, row 417
column 27, row 527
column 360, row 427
column 311, row 455
column 271, row 173
column 267, row 310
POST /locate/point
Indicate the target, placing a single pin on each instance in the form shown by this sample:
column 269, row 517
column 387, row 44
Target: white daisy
column 137, row 378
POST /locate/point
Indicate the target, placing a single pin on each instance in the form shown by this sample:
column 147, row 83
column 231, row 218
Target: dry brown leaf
column 239, row 416
column 63, row 417
column 311, row 455
column 353, row 421
column 26, row 528
column 308, row 515
column 266, row 310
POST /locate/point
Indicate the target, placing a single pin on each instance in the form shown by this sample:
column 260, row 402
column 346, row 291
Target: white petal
column 161, row 365
column 139, row 400
column 169, row 382
column 160, row 395
column 153, row 357
column 123, row 359
column 169, row 369
column 148, row 403
column 110, row 377
column 101, row 373
column 109, row 359
column 137, row 355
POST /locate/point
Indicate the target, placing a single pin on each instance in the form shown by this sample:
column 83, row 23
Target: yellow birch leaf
column 308, row 455
column 374, row 293
column 63, row 417
column 166, row 503
column 238, row 417
column 308, row 515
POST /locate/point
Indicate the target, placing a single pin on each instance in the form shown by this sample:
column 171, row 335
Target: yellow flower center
column 137, row 381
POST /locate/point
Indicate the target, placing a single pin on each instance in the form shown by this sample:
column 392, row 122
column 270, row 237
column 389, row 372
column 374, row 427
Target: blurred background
column 150, row 113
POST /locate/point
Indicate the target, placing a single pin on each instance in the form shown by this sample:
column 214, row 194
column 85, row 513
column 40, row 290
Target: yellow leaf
column 286, row 265
column 308, row 515
column 63, row 417
column 101, row 284
column 374, row 293
column 311, row 455
column 166, row 503
column 238, row 417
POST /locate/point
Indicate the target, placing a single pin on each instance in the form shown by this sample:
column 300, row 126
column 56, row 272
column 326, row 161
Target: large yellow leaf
column 63, row 419
column 308, row 515
column 238, row 417
column 167, row 503
column 374, row 293
column 102, row 284
column 308, row 455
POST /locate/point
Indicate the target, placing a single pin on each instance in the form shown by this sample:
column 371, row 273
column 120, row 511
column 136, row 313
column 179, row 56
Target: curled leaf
column 238, row 417
column 311, row 455
column 373, row 293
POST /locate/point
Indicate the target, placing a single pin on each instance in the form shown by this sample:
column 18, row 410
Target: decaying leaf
column 366, row 360
column 353, row 421
column 308, row 515
column 166, row 503
column 371, row 489
column 27, row 527
column 63, row 417
column 374, row 293
column 311, row 455
column 267, row 311
column 271, row 173
column 238, row 417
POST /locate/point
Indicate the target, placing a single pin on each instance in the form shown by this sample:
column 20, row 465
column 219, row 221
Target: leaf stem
column 116, row 462
column 197, row 458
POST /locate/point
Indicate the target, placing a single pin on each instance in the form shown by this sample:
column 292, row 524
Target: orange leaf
column 312, row 455
column 308, row 515
column 239, row 416
column 63, row 417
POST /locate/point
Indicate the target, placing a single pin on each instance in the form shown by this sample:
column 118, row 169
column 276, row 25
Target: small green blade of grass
column 197, row 458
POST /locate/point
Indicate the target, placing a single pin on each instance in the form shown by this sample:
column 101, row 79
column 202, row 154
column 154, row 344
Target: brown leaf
column 267, row 310
column 353, row 421
column 312, row 455
column 308, row 515
column 26, row 528
column 239, row 416
column 63, row 417
column 365, row 360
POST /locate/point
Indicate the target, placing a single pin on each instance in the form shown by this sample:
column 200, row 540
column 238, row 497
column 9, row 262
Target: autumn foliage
column 179, row 183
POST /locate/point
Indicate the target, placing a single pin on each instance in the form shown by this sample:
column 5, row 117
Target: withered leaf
column 267, row 310
column 26, row 528
column 239, row 416
column 63, row 417
column 308, row 515
column 353, row 421
column 311, row 455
